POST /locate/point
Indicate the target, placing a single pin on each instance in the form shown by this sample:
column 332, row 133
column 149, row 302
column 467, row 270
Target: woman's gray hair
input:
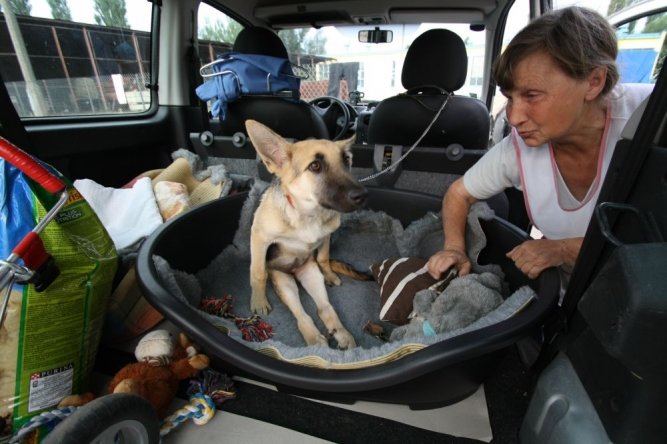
column 578, row 39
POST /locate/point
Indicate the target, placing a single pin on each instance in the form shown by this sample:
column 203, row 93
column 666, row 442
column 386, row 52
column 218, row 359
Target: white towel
column 128, row 214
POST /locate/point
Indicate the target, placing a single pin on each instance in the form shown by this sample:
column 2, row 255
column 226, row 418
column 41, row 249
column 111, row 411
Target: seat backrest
column 436, row 64
column 292, row 119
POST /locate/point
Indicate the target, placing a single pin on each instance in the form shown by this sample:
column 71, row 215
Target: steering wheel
column 335, row 113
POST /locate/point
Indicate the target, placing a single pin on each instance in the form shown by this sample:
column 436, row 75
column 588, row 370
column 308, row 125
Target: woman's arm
column 455, row 207
column 496, row 170
column 532, row 257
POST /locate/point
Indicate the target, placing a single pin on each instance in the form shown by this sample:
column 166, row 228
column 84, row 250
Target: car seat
column 435, row 66
column 292, row 119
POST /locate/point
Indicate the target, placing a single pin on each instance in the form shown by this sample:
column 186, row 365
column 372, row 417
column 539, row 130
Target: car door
column 608, row 337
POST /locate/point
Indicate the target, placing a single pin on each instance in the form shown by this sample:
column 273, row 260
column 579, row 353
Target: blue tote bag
column 234, row 75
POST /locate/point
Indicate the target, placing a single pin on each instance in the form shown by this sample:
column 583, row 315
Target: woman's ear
column 596, row 82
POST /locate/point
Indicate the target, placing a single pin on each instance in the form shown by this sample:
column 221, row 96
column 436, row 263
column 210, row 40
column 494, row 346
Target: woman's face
column 545, row 105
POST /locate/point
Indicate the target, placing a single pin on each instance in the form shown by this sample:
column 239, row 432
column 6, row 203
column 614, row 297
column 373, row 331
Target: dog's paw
column 310, row 333
column 260, row 306
column 344, row 338
column 332, row 278
column 317, row 339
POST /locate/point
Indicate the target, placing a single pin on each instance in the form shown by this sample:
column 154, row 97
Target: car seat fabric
column 256, row 40
column 292, row 119
column 436, row 64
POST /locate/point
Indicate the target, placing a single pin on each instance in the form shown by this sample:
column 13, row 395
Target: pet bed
column 204, row 253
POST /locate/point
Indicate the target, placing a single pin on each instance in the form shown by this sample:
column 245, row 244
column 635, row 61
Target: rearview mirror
column 376, row 35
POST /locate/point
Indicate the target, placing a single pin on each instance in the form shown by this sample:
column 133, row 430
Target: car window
column 216, row 32
column 59, row 58
column 641, row 31
column 338, row 63
column 517, row 19
column 642, row 47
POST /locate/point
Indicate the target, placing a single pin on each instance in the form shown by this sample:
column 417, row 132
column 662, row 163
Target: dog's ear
column 345, row 144
column 271, row 147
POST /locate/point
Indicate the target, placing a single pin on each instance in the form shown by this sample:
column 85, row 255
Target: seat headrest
column 256, row 40
column 438, row 57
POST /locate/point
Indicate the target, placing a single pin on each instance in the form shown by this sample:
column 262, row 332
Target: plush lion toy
column 160, row 365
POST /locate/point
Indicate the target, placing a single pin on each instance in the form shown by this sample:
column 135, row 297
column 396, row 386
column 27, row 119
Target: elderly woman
column 566, row 111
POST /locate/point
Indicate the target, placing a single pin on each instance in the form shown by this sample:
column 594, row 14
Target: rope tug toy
column 207, row 392
column 253, row 328
column 48, row 419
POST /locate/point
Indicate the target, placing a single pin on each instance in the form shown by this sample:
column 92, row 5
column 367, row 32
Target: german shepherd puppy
column 289, row 237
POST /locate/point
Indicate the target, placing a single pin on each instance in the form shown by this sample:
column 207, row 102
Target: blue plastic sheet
column 16, row 211
column 636, row 65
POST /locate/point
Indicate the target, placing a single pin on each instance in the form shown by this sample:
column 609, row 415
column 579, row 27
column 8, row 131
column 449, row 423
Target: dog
column 291, row 229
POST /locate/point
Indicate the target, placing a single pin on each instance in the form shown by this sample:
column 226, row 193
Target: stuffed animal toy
column 465, row 300
column 160, row 365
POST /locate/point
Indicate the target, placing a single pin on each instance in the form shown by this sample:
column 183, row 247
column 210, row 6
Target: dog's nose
column 358, row 196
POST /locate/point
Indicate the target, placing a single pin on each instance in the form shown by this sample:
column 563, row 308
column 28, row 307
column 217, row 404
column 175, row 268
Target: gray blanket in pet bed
column 365, row 237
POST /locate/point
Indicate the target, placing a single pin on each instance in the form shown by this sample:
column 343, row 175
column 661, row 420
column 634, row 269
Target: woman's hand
column 443, row 260
column 455, row 207
column 532, row 257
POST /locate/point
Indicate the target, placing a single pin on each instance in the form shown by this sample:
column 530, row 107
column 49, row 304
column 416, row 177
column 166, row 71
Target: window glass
column 65, row 58
column 642, row 47
column 216, row 32
column 517, row 19
column 338, row 63
column 641, row 32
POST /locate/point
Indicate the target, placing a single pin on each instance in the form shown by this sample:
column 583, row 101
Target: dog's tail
column 347, row 270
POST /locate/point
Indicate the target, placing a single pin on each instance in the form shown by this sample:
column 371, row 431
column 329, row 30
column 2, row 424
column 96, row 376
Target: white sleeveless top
column 542, row 183
column 540, row 180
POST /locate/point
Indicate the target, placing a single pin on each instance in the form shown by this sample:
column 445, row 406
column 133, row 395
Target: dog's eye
column 315, row 166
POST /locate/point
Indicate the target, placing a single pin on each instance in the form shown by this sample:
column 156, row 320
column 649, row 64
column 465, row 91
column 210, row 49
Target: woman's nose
column 515, row 113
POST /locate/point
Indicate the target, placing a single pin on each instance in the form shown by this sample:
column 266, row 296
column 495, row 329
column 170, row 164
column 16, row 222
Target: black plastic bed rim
column 180, row 243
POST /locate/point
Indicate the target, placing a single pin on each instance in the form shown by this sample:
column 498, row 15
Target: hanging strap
column 11, row 126
column 194, row 79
